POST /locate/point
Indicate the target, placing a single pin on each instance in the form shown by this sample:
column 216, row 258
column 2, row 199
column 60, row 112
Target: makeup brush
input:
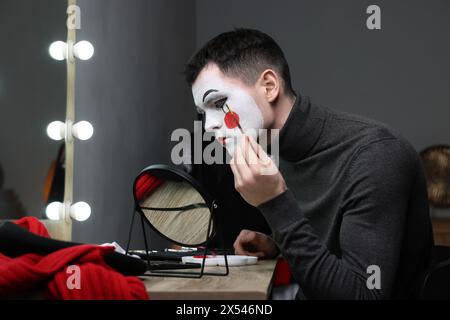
column 234, row 118
column 221, row 105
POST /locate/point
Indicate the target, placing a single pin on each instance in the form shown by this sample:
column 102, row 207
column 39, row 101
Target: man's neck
column 282, row 111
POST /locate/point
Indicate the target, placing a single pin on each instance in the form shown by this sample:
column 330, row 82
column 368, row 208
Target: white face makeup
column 210, row 88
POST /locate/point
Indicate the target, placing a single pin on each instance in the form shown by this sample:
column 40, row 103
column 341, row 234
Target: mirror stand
column 179, row 274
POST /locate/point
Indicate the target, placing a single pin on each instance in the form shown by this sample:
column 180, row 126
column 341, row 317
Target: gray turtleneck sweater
column 356, row 198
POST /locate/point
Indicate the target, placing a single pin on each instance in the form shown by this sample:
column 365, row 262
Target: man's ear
column 270, row 84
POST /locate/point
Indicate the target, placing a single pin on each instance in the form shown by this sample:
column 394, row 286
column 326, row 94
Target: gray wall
column 32, row 94
column 399, row 74
column 133, row 93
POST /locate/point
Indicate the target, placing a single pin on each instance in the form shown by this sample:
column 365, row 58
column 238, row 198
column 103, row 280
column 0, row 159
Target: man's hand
column 251, row 243
column 256, row 177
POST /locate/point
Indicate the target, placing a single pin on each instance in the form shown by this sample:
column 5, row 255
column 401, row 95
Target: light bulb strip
column 82, row 130
column 82, row 50
column 69, row 131
column 67, row 211
column 69, row 49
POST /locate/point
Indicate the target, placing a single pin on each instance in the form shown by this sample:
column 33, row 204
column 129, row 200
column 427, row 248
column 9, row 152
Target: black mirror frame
column 174, row 172
column 212, row 223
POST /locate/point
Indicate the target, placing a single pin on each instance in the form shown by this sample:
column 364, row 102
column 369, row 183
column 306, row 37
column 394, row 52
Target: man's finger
column 239, row 248
column 240, row 162
column 262, row 155
column 247, row 236
column 250, row 153
column 258, row 254
column 234, row 169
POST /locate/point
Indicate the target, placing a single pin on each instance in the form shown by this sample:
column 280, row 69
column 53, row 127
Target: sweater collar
column 301, row 130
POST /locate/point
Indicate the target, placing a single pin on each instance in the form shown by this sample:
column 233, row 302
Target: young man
column 348, row 206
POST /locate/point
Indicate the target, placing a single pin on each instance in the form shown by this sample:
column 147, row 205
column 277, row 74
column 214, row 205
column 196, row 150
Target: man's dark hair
column 241, row 53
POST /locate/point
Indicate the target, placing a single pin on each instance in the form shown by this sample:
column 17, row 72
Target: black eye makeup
column 219, row 104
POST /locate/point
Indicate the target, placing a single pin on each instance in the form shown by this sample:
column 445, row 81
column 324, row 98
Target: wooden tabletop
column 244, row 282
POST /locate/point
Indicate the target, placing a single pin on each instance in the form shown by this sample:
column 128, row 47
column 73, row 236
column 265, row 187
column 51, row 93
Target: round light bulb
column 57, row 50
column 56, row 130
column 53, row 210
column 83, row 130
column 83, row 50
column 80, row 211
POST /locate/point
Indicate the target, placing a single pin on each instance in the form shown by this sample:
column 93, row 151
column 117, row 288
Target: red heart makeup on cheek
column 231, row 120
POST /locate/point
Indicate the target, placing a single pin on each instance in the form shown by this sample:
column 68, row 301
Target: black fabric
column 234, row 213
column 436, row 284
column 356, row 197
column 16, row 241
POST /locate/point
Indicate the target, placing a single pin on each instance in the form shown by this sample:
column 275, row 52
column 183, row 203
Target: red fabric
column 145, row 185
column 283, row 274
column 34, row 226
column 97, row 279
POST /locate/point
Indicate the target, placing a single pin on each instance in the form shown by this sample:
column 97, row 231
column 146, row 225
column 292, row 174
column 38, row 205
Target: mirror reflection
column 32, row 94
column 174, row 208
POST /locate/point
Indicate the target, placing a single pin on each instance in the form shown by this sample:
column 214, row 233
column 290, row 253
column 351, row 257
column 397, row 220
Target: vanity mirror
column 177, row 207
column 37, row 99
column 32, row 93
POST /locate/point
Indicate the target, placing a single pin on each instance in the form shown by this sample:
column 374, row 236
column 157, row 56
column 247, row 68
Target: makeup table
column 253, row 282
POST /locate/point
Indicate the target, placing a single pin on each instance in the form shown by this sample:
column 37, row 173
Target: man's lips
column 227, row 140
column 222, row 140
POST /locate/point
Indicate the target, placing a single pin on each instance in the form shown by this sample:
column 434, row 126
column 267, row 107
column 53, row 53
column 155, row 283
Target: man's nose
column 212, row 123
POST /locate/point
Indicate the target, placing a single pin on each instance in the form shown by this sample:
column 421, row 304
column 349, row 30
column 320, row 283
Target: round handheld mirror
column 175, row 205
